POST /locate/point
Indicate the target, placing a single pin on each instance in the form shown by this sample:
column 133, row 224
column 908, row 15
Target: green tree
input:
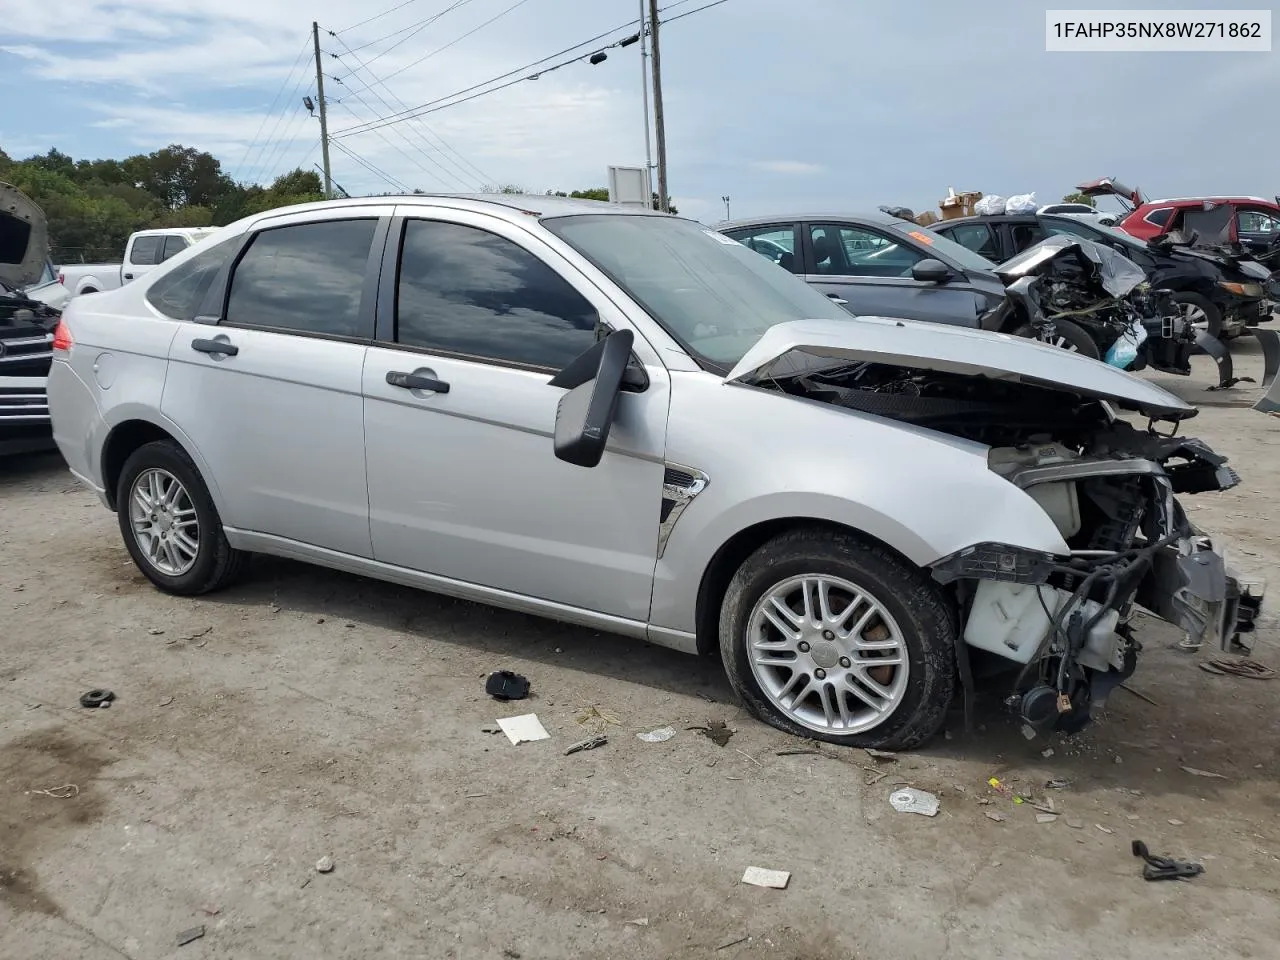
column 1080, row 198
column 601, row 193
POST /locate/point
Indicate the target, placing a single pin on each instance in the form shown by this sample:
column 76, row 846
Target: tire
column 920, row 622
column 171, row 564
column 1069, row 336
column 1191, row 303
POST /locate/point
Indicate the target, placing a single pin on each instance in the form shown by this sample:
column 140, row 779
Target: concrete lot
column 308, row 713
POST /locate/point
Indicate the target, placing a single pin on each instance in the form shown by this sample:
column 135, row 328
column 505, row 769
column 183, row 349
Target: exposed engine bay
column 1064, row 622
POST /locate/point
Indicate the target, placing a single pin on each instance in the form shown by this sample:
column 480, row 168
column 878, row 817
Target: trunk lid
column 24, row 238
column 1111, row 187
column 805, row 346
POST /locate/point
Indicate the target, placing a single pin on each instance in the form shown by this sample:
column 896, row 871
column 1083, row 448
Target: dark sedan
column 1215, row 297
column 878, row 265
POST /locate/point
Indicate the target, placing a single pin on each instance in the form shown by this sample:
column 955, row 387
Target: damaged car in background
column 30, row 301
column 857, row 514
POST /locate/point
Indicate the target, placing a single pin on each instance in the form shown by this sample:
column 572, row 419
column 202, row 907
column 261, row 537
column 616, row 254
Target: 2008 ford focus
column 623, row 419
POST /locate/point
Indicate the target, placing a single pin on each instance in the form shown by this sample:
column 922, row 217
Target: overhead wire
column 416, row 29
column 412, row 112
column 288, row 138
column 471, row 32
column 378, row 16
column 271, row 109
column 408, row 156
column 379, row 82
column 689, row 13
column 372, row 168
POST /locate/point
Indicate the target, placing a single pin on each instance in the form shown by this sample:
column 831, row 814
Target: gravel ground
column 307, row 714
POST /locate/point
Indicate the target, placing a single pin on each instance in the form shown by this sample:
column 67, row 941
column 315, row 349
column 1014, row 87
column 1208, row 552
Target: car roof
column 536, row 205
column 883, row 219
column 1270, row 203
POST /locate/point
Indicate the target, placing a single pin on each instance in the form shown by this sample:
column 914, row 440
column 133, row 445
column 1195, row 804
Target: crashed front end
column 1067, row 620
column 1047, row 423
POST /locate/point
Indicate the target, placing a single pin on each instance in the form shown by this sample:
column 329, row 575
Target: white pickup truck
column 145, row 249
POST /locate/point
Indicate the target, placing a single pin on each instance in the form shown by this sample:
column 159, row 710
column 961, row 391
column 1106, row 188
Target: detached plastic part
column 1270, row 342
column 505, row 685
column 96, row 698
column 1164, row 868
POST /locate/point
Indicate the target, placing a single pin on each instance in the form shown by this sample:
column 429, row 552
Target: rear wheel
column 1066, row 336
column 170, row 525
column 1200, row 312
column 827, row 636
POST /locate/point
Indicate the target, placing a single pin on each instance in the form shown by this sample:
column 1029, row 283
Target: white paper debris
column 911, row 800
column 661, row 735
column 760, row 877
column 524, row 728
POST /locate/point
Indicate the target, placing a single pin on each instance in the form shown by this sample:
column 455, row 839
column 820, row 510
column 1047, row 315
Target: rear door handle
column 415, row 381
column 223, row 347
column 128, row 276
column 836, row 298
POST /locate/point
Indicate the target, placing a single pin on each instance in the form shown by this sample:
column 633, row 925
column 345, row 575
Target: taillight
column 62, row 336
column 62, row 278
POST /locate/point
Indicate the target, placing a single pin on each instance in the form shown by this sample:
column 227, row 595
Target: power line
column 272, row 109
column 690, row 13
column 484, row 177
column 377, row 16
column 417, row 28
column 376, row 171
column 411, row 113
column 290, row 136
column 416, row 162
column 498, row 16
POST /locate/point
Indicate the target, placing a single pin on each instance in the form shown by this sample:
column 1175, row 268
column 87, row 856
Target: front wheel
column 1066, row 336
column 827, row 636
column 1200, row 312
column 170, row 524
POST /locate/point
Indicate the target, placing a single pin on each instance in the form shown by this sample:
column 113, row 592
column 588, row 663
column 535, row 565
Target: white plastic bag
column 990, row 204
column 1125, row 350
column 1022, row 203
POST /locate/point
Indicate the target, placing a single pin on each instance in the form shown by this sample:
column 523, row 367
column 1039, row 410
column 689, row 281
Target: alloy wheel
column 827, row 654
column 164, row 521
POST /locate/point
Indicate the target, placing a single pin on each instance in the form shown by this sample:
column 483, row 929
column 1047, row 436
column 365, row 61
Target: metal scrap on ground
column 661, row 735
column 911, row 800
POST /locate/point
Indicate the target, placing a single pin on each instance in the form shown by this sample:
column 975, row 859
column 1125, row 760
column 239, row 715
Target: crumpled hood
column 802, row 346
column 24, row 238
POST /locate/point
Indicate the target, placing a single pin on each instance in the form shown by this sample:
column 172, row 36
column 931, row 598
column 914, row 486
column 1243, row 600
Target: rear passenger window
column 305, row 278
column 1159, row 217
column 179, row 292
column 146, row 251
column 467, row 291
column 1026, row 235
column 976, row 237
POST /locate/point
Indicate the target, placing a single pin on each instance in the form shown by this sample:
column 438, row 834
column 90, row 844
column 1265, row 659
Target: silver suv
column 629, row 421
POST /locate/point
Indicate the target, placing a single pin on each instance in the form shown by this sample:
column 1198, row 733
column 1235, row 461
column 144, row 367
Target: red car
column 1256, row 223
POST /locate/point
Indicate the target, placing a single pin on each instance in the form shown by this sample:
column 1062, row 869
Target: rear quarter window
column 180, row 291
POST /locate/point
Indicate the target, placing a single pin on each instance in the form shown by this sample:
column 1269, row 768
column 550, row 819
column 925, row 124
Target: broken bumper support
column 1191, row 586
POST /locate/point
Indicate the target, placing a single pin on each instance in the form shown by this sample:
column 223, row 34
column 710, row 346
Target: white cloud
column 795, row 167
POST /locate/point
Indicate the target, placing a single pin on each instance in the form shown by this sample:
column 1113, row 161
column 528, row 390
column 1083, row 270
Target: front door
column 463, row 480
column 869, row 274
column 269, row 391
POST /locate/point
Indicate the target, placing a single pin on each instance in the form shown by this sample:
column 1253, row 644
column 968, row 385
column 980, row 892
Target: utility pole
column 726, row 208
column 324, row 121
column 659, row 128
column 644, row 90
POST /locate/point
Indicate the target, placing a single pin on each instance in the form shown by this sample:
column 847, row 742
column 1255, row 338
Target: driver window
column 859, row 252
column 466, row 291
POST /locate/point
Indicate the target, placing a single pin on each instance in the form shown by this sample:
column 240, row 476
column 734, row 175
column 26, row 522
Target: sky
column 838, row 105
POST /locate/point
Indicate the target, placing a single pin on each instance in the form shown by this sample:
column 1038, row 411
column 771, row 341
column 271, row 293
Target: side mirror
column 585, row 414
column 931, row 271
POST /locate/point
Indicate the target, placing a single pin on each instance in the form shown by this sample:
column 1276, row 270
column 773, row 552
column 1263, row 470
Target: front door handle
column 128, row 276
column 216, row 347
column 415, row 381
column 836, row 298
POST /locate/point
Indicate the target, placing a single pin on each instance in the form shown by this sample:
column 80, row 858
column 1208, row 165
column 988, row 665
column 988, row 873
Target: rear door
column 868, row 272
column 267, row 384
column 144, row 253
column 463, row 480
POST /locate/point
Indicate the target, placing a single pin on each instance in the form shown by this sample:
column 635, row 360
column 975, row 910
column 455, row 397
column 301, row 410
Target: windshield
column 711, row 293
column 962, row 256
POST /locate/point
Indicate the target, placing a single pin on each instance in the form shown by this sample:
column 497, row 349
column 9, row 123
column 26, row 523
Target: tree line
column 93, row 205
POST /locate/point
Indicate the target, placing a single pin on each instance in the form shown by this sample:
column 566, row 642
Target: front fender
column 922, row 493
